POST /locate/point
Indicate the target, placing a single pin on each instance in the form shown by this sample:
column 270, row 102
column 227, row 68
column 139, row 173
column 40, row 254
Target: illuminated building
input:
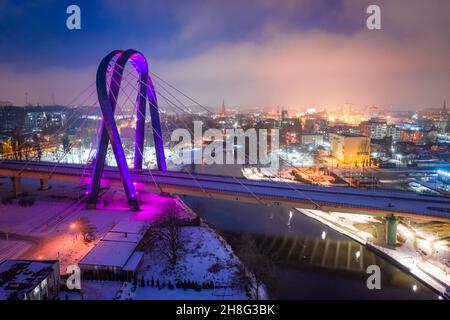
column 346, row 109
column 439, row 121
column 377, row 128
column 315, row 122
column 291, row 137
column 311, row 139
column 415, row 136
column 29, row 279
column 350, row 148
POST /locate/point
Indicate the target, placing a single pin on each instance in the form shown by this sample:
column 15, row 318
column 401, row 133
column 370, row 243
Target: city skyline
column 290, row 54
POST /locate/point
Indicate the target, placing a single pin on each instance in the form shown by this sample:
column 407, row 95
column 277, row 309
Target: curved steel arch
column 107, row 99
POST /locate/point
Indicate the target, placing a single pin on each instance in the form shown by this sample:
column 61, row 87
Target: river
column 312, row 261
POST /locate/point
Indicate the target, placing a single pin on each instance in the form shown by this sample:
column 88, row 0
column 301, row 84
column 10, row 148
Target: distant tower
column 444, row 109
column 224, row 111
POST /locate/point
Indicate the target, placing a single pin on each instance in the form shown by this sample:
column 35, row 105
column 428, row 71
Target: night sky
column 296, row 54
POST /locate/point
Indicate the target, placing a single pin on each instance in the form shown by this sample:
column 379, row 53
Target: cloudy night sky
column 296, row 54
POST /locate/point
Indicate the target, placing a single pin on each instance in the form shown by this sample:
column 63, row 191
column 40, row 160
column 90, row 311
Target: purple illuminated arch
column 107, row 98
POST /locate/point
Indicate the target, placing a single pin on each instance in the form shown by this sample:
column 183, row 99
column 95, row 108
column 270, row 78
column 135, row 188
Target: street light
column 73, row 226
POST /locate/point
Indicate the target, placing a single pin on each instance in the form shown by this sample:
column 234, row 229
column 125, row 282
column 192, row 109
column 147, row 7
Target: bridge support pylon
column 107, row 97
column 17, row 185
column 43, row 184
column 391, row 230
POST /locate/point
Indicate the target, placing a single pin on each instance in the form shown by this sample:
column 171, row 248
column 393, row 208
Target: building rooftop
column 122, row 236
column 116, row 248
column 129, row 226
column 350, row 135
column 110, row 254
column 18, row 277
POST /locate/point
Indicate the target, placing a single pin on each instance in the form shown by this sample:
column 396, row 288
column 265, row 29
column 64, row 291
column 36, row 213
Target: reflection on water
column 312, row 260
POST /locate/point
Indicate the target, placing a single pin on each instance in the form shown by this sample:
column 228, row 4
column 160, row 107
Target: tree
column 37, row 146
column 167, row 229
column 85, row 227
column 257, row 269
column 17, row 142
column 65, row 143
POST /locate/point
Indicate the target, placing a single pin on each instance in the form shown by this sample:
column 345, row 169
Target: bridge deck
column 268, row 192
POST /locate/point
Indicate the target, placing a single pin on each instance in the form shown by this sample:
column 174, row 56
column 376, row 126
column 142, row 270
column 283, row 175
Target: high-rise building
column 378, row 128
column 375, row 128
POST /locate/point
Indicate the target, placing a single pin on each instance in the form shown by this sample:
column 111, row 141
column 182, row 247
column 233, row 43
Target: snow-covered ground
column 204, row 258
column 44, row 230
column 430, row 268
column 93, row 290
column 10, row 248
column 254, row 173
column 47, row 230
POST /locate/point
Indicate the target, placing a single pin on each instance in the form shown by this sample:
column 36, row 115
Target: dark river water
column 307, row 264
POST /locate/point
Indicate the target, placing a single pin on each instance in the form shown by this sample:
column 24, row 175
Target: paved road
column 34, row 241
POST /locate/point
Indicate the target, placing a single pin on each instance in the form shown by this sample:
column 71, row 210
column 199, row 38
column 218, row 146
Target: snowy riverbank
column 404, row 256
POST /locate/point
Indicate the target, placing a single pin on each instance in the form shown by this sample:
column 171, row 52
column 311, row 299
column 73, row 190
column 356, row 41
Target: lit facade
column 311, row 139
column 350, row 149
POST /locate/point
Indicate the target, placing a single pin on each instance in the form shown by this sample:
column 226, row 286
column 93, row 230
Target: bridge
column 271, row 193
column 390, row 204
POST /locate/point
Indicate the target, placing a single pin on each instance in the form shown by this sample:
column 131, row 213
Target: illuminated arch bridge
column 107, row 97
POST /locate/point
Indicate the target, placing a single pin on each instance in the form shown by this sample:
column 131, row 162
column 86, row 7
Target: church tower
column 444, row 110
column 224, row 111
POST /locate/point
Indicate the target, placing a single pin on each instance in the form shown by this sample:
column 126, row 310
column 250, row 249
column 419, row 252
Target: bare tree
column 167, row 230
column 87, row 230
column 257, row 269
column 17, row 142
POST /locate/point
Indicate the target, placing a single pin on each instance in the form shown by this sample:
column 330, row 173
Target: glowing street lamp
column 73, row 226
